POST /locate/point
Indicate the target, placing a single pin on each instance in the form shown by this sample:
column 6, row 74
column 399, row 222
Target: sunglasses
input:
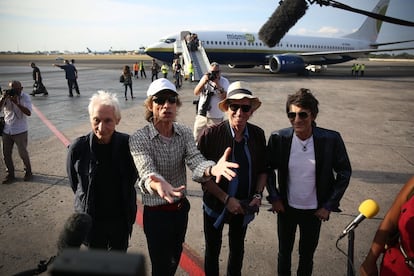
column 302, row 115
column 162, row 100
column 243, row 107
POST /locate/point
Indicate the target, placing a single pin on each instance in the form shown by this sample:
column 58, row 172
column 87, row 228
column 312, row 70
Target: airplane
column 293, row 54
column 90, row 52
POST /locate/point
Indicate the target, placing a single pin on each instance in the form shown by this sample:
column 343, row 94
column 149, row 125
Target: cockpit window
column 168, row 40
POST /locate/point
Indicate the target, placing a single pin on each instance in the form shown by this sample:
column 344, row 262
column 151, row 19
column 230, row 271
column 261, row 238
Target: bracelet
column 209, row 171
column 226, row 199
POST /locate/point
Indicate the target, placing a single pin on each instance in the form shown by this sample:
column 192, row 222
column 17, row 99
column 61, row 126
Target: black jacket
column 212, row 144
column 330, row 156
column 81, row 168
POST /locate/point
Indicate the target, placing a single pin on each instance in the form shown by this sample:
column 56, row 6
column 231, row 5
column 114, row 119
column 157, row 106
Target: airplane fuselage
column 238, row 48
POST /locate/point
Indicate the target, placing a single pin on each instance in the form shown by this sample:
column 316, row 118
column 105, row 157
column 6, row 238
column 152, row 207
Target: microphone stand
column 351, row 238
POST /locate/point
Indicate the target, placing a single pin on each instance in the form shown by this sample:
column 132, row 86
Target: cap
column 160, row 85
column 239, row 90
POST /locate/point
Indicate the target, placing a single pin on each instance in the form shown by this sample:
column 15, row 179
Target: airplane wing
column 329, row 57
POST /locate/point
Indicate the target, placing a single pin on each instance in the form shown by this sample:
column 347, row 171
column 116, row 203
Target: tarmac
column 374, row 114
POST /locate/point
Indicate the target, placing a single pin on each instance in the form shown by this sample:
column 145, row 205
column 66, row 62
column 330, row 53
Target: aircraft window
column 215, row 42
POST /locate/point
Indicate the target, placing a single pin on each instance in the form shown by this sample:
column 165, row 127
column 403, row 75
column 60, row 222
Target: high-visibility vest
column 164, row 69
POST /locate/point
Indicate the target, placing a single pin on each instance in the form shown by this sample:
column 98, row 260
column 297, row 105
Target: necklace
column 304, row 145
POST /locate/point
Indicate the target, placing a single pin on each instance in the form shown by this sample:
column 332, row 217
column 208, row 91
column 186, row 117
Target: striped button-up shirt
column 166, row 158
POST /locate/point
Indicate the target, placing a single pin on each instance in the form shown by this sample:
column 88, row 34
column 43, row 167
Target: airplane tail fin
column 370, row 29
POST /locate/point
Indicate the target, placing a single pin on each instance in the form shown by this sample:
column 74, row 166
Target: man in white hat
column 233, row 201
column 161, row 151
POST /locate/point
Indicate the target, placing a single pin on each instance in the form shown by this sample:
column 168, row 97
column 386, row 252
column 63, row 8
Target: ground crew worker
column 357, row 66
column 136, row 69
column 353, row 69
column 191, row 71
column 164, row 70
column 142, row 69
column 362, row 69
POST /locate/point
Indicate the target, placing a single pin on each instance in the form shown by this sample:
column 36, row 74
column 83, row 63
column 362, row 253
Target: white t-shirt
column 301, row 178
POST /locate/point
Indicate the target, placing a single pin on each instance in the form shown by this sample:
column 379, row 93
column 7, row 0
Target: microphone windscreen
column 369, row 208
column 282, row 19
column 75, row 230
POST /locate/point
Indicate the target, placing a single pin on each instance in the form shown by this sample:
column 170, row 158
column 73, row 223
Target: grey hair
column 105, row 98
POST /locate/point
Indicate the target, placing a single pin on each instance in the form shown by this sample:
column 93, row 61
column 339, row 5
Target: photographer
column 211, row 90
column 16, row 106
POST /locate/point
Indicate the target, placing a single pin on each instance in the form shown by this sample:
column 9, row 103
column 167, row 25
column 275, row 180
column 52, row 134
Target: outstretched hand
column 224, row 167
column 165, row 190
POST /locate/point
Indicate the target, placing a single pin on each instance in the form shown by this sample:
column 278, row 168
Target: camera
column 10, row 92
column 212, row 76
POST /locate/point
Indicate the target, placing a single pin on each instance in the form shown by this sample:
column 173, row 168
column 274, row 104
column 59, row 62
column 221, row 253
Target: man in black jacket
column 313, row 173
column 102, row 175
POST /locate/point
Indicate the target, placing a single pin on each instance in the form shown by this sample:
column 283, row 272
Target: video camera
column 212, row 76
column 9, row 92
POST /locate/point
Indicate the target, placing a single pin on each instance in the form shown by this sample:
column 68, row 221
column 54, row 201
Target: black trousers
column 165, row 232
column 111, row 234
column 213, row 239
column 309, row 227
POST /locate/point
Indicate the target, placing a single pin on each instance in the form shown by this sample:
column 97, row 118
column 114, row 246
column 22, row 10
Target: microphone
column 368, row 209
column 75, row 230
column 282, row 19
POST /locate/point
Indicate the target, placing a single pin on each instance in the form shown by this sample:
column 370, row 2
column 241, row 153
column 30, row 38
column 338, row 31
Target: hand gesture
column 224, row 167
column 165, row 190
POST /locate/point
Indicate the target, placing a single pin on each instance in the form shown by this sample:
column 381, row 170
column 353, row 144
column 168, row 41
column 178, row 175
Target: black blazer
column 330, row 156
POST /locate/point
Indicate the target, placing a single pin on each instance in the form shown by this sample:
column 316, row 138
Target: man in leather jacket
column 313, row 171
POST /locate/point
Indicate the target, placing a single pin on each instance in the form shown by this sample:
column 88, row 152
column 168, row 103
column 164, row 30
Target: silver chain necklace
column 304, row 145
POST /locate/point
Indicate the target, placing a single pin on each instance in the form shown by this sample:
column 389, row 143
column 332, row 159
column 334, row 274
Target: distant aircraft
column 293, row 54
column 109, row 52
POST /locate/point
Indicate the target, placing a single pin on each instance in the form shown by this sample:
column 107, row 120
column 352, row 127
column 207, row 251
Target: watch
column 257, row 196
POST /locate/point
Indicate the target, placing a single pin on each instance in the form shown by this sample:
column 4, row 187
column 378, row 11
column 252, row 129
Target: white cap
column 160, row 85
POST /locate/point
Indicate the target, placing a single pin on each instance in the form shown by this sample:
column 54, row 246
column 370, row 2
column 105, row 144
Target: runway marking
column 49, row 124
column 190, row 261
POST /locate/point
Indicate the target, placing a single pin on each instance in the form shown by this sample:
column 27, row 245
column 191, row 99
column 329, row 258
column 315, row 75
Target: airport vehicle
column 293, row 54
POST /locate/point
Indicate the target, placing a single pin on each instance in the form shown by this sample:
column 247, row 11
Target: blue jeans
column 213, row 239
column 165, row 232
column 309, row 227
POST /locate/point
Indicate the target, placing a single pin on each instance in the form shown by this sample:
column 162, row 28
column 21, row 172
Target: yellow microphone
column 368, row 209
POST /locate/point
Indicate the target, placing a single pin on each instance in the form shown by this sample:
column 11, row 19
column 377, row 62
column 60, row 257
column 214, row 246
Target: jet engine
column 286, row 64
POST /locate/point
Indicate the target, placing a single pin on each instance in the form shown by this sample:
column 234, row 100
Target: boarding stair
column 200, row 60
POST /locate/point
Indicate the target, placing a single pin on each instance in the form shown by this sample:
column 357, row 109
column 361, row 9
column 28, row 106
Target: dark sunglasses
column 243, row 107
column 302, row 115
column 162, row 100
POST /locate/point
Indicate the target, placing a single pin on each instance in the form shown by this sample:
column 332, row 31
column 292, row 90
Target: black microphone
column 368, row 209
column 282, row 19
column 75, row 230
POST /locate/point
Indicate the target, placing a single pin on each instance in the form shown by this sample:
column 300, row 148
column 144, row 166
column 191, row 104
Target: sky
column 73, row 25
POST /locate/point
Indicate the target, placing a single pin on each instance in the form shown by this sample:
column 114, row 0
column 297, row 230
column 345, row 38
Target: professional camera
column 9, row 92
column 206, row 105
column 212, row 76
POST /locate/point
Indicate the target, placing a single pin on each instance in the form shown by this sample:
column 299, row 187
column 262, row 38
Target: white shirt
column 214, row 111
column 301, row 179
column 15, row 120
